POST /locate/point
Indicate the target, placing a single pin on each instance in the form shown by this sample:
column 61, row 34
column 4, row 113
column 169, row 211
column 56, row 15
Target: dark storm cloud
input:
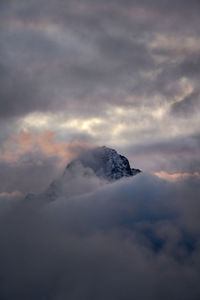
column 28, row 176
column 190, row 67
column 187, row 106
column 178, row 154
column 82, row 58
column 90, row 59
column 134, row 239
column 59, row 54
column 137, row 238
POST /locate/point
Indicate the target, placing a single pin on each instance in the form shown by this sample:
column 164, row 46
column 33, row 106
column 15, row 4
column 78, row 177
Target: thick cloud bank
column 134, row 239
column 74, row 75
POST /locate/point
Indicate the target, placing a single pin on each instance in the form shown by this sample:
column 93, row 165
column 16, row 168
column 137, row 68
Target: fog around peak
column 76, row 75
column 136, row 237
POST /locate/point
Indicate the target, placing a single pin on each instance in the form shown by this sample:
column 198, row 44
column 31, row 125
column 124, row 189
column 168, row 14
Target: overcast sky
column 79, row 73
column 74, row 75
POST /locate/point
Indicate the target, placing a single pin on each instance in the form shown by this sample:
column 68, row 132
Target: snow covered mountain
column 106, row 163
column 88, row 171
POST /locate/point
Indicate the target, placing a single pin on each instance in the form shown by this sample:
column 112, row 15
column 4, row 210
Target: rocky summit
column 101, row 164
column 106, row 163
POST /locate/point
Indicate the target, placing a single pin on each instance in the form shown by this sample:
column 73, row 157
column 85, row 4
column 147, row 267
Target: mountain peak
column 81, row 175
column 106, row 163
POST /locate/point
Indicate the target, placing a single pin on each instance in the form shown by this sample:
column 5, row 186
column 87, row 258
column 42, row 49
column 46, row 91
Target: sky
column 76, row 74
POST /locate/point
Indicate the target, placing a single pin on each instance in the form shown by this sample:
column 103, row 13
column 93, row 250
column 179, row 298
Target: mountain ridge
column 106, row 163
column 101, row 162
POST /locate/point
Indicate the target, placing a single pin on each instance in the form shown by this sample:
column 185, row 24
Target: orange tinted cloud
column 26, row 142
column 175, row 176
column 11, row 194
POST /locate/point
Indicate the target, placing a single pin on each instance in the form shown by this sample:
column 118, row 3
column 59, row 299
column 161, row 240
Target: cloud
column 67, row 54
column 133, row 238
column 17, row 146
column 31, row 160
column 125, row 74
column 189, row 105
column 175, row 176
column 83, row 61
column 173, row 155
column 9, row 200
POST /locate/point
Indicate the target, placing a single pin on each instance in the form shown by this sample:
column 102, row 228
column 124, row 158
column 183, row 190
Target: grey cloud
column 98, row 57
column 179, row 154
column 79, row 57
column 136, row 238
column 190, row 104
column 30, row 175
column 190, row 66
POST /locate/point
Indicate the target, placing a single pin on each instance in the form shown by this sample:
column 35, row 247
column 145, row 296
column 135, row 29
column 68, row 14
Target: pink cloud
column 45, row 143
column 175, row 176
column 11, row 194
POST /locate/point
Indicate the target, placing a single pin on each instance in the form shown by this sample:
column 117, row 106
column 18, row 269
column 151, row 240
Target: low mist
column 137, row 238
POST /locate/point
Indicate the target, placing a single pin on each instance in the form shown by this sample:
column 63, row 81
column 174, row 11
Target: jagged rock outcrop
column 107, row 163
column 102, row 162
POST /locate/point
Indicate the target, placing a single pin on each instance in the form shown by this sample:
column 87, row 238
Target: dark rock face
column 106, row 163
column 103, row 162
